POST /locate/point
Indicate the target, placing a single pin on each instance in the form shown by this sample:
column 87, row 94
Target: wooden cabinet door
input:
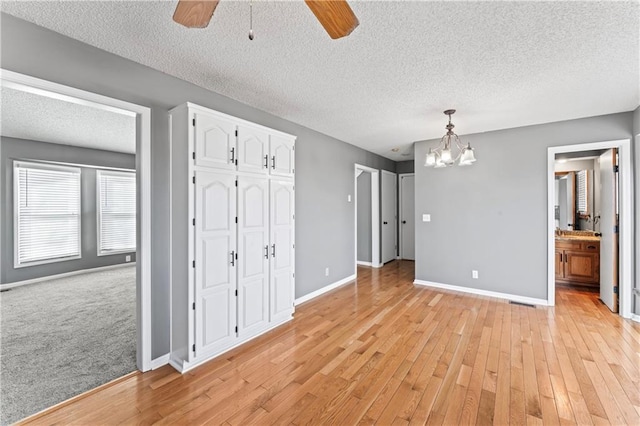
column 253, row 254
column 582, row 267
column 253, row 150
column 215, row 142
column 281, row 150
column 215, row 273
column 559, row 264
column 282, row 250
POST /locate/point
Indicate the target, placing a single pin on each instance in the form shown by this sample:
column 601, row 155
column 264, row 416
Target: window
column 46, row 213
column 116, row 212
column 582, row 188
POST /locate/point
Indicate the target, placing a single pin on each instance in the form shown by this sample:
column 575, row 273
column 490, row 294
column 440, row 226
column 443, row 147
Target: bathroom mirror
column 574, row 200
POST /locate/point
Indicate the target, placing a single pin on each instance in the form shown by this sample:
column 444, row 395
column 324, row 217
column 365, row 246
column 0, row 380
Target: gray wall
column 405, row 166
column 324, row 165
column 636, row 149
column 492, row 217
column 19, row 149
column 364, row 217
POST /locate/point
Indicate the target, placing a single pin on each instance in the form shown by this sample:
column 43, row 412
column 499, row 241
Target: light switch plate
column 426, row 218
column 348, row 198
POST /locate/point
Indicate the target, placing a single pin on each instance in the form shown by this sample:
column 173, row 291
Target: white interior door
column 215, row 275
column 253, row 254
column 215, row 142
column 389, row 218
column 253, row 150
column 608, row 228
column 282, row 156
column 407, row 220
column 282, row 249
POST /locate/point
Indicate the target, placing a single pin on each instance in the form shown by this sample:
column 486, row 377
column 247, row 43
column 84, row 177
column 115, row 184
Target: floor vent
column 3, row 290
column 521, row 304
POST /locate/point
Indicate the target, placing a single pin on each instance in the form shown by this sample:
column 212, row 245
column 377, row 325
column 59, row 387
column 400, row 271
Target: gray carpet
column 62, row 337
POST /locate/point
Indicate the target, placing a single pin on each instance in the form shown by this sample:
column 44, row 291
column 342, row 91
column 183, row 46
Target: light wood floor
column 385, row 351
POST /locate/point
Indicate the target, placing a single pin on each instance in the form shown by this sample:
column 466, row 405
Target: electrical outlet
column 326, row 272
column 426, row 218
column 127, row 258
column 474, row 274
column 348, row 198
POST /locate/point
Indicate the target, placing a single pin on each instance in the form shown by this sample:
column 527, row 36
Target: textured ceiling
column 500, row 64
column 40, row 118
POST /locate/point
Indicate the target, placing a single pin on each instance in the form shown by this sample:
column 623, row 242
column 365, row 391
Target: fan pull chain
column 250, row 19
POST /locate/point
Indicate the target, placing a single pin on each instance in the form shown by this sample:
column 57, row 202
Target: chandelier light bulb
column 431, row 159
column 446, row 155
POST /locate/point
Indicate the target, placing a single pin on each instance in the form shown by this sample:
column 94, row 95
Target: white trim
column 379, row 265
column 160, row 361
column 626, row 217
column 469, row 290
column 400, row 212
column 375, row 214
column 143, row 169
column 64, row 275
column 635, row 317
column 324, row 290
column 361, row 263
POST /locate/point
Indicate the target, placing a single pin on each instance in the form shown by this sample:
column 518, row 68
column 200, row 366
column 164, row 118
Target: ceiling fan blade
column 194, row 14
column 336, row 17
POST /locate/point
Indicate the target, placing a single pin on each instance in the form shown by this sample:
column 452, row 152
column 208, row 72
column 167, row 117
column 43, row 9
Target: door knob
column 404, row 221
column 384, row 223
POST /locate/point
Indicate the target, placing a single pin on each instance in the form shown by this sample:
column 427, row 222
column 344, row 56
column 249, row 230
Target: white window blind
column 116, row 212
column 46, row 213
column 582, row 191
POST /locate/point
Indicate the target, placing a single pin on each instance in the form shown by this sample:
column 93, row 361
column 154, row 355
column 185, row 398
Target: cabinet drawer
column 571, row 245
column 593, row 246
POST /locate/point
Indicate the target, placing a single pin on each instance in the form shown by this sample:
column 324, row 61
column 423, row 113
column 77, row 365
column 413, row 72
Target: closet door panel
column 253, row 150
column 215, row 275
column 282, row 156
column 282, row 249
column 215, row 142
column 253, row 263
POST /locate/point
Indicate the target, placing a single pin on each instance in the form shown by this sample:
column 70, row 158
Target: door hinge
column 193, row 264
column 615, row 229
column 236, row 256
column 616, row 169
column 236, row 328
column 194, row 121
column 615, row 289
column 236, row 183
column 193, row 154
column 193, row 306
column 236, row 292
column 193, row 348
column 193, row 179
column 236, row 219
column 293, row 170
column 193, row 221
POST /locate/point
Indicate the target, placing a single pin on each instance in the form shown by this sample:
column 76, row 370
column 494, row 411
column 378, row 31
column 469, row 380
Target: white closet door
column 215, row 142
column 215, row 273
column 389, row 216
column 282, row 249
column 282, row 156
column 253, row 150
column 253, row 254
column 609, row 228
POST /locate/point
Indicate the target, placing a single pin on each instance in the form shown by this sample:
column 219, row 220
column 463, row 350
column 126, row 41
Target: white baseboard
column 66, row 274
column 515, row 298
column 324, row 290
column 160, row 361
column 635, row 317
column 379, row 265
column 362, row 263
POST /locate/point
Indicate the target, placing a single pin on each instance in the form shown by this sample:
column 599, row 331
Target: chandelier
column 450, row 150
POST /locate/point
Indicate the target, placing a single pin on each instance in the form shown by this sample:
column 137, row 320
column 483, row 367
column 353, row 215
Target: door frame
column 400, row 214
column 625, row 231
column 375, row 216
column 143, row 171
column 395, row 215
